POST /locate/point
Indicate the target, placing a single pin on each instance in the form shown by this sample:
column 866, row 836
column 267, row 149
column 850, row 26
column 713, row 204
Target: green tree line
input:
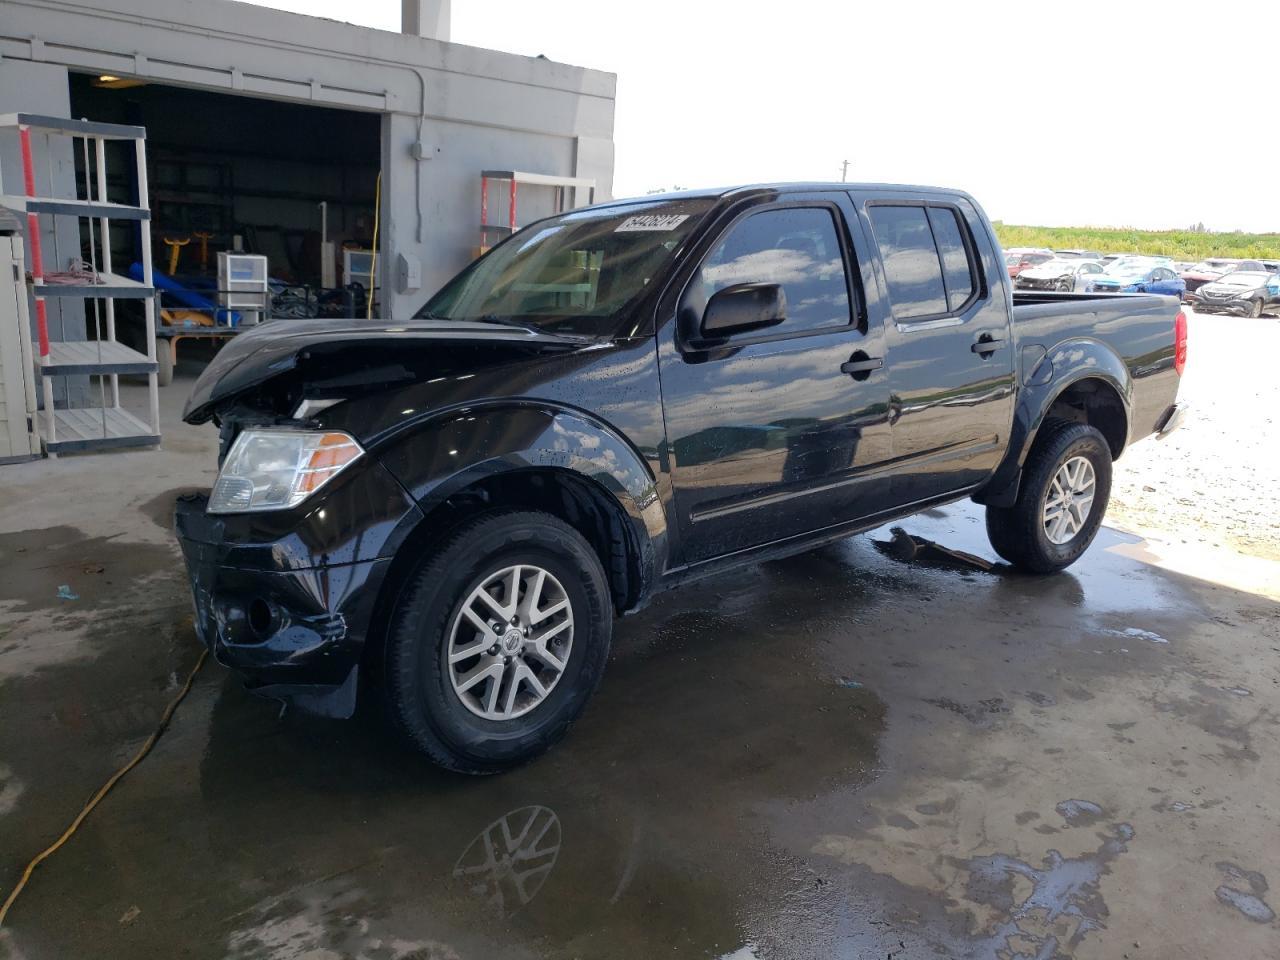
column 1179, row 244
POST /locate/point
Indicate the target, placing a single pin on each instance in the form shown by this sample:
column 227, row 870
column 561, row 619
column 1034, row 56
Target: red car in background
column 1017, row 259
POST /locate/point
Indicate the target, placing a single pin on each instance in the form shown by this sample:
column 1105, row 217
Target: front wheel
column 1066, row 484
column 1255, row 309
column 498, row 640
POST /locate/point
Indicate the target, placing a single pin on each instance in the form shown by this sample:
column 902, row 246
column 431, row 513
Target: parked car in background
column 1271, row 266
column 1139, row 275
column 1062, row 273
column 1017, row 259
column 1250, row 293
column 1213, row 268
column 1082, row 254
column 1113, row 257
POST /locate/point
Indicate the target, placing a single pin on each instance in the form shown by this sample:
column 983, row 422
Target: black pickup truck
column 453, row 508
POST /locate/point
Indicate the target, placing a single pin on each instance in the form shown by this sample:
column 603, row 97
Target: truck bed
column 1137, row 327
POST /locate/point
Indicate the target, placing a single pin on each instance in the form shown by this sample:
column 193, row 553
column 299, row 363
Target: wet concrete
column 855, row 753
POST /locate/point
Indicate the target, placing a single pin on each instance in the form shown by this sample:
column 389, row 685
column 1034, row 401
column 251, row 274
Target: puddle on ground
column 679, row 817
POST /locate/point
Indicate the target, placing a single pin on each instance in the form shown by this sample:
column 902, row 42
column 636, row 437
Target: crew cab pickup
column 452, row 508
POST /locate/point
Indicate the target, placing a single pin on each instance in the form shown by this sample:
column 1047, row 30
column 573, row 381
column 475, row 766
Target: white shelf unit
column 564, row 199
column 106, row 425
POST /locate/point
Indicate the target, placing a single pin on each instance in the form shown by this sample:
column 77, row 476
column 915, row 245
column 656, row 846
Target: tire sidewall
column 430, row 709
column 1087, row 443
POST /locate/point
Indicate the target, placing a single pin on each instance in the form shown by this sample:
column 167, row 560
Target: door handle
column 988, row 345
column 861, row 366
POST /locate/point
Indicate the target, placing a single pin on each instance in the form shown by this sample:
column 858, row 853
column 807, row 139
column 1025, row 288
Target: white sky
column 1106, row 113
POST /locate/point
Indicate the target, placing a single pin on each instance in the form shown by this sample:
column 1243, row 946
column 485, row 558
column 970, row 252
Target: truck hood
column 292, row 359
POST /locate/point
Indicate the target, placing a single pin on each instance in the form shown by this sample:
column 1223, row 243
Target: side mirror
column 741, row 308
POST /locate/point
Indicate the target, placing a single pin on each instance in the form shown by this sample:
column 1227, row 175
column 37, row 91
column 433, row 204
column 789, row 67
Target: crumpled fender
column 450, row 450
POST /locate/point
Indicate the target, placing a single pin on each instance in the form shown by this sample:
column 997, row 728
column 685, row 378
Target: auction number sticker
column 657, row 222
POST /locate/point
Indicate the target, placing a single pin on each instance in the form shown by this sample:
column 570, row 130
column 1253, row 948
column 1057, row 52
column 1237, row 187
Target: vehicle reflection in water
column 509, row 860
column 646, row 831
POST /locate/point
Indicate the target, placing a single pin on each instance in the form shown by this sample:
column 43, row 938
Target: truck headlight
column 278, row 469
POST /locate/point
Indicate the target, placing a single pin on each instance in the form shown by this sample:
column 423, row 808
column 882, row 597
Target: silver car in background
column 1065, row 274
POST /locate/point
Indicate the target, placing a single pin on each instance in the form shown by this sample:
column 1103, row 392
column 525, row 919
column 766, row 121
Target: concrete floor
column 846, row 754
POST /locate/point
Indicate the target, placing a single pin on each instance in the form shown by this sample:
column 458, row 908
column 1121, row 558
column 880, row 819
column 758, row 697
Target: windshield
column 1128, row 270
column 574, row 273
column 1244, row 278
column 1057, row 266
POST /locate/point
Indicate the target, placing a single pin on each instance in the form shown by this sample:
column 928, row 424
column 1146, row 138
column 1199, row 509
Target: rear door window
column 912, row 267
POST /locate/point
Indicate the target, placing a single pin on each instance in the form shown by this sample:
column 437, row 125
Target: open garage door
column 254, row 176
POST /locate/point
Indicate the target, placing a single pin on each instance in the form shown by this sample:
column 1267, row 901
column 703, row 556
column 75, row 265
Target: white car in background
column 1065, row 274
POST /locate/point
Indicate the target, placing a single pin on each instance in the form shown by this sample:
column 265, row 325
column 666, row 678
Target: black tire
column 421, row 698
column 1064, row 286
column 1255, row 309
column 1017, row 533
column 164, row 361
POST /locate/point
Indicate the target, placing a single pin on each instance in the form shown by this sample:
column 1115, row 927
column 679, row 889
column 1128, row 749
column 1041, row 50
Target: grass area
column 1179, row 244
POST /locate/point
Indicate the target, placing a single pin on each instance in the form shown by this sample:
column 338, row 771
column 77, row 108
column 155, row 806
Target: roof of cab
column 800, row 187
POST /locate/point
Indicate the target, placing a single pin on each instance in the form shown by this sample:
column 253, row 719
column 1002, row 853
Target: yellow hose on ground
column 373, row 260
column 106, row 787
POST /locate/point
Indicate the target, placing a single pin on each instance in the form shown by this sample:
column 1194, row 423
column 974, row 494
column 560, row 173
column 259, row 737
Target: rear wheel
column 498, row 641
column 1066, row 484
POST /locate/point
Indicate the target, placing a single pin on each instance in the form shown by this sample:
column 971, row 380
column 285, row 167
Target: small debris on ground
column 66, row 593
column 912, row 549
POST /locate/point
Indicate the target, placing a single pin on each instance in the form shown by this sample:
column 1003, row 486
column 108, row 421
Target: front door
column 950, row 349
column 767, row 437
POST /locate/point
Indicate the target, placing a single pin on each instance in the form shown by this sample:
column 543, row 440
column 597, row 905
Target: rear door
column 950, row 349
column 767, row 437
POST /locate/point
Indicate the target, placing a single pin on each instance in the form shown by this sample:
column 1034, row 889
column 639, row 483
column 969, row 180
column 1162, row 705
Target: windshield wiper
column 506, row 322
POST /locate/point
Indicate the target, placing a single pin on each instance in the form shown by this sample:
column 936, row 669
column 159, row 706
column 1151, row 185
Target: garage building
column 256, row 117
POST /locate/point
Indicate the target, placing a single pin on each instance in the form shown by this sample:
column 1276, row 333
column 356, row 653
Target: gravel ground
column 1216, row 480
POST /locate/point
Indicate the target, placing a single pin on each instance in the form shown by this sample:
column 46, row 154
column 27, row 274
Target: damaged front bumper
column 1234, row 307
column 283, row 607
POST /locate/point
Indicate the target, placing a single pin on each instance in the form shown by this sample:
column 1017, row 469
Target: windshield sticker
column 656, row 222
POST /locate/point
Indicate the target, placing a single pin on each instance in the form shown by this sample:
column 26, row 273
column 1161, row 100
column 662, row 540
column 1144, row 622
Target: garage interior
column 251, row 175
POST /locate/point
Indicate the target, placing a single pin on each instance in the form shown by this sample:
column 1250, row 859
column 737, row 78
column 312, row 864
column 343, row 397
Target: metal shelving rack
column 106, row 425
column 513, row 178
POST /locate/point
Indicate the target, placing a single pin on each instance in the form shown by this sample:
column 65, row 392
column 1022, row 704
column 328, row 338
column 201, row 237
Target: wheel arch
column 1080, row 380
column 467, row 461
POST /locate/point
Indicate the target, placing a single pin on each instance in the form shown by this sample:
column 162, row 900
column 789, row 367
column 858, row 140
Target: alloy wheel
column 510, row 642
column 1069, row 500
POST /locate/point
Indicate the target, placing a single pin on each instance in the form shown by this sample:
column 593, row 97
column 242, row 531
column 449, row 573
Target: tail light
column 1180, row 342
